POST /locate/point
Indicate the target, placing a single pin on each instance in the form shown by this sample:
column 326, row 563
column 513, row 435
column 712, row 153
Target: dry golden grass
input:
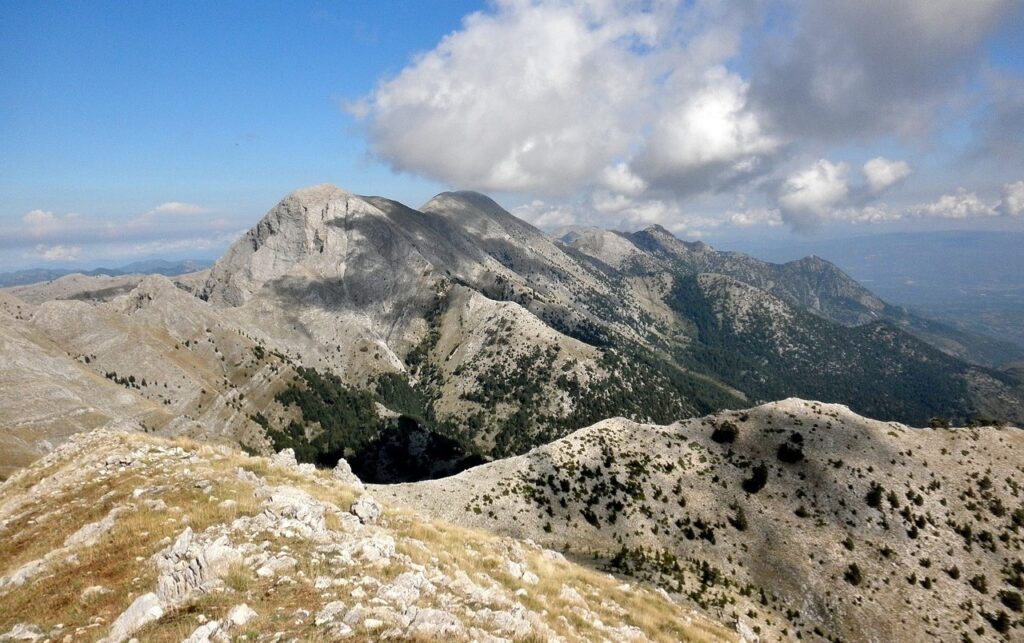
column 121, row 559
column 476, row 552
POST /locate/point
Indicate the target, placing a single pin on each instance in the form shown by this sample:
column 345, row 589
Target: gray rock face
column 23, row 632
column 284, row 459
column 366, row 509
column 90, row 534
column 191, row 566
column 239, row 615
column 143, row 611
column 343, row 473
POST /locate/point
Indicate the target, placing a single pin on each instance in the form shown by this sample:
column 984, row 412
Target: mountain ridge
column 485, row 330
column 808, row 519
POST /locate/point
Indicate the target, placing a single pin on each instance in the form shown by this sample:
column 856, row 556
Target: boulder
column 285, row 459
column 239, row 615
column 366, row 509
column 144, row 610
column 343, row 473
column 22, row 632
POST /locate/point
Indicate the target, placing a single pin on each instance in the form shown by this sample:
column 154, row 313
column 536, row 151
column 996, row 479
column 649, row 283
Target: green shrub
column 725, row 433
column 757, row 480
column 853, row 575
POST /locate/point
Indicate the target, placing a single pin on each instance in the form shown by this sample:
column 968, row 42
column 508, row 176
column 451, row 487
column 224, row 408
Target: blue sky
column 142, row 129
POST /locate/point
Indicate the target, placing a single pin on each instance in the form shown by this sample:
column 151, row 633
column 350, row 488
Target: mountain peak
column 463, row 200
column 658, row 229
column 318, row 192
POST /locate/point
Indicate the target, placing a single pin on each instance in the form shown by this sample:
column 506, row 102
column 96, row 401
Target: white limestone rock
column 366, row 509
column 144, row 610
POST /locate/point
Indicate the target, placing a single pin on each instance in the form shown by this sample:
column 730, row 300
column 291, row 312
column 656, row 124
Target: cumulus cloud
column 620, row 179
column 169, row 210
column 58, row 252
column 178, row 208
column 754, row 217
column 809, row 195
column 631, row 113
column 529, row 97
column 1013, row 199
column 42, row 222
column 554, row 96
column 547, row 215
column 963, row 204
column 706, row 137
column 872, row 67
column 881, row 173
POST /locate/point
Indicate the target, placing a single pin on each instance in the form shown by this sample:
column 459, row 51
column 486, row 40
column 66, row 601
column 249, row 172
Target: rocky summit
column 369, row 421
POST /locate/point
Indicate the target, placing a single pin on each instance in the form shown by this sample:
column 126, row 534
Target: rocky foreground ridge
column 117, row 535
column 801, row 519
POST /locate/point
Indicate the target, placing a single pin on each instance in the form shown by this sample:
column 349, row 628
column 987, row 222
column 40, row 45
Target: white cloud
column 169, row 210
column 177, row 245
column 42, row 222
column 529, row 97
column 754, row 217
column 39, row 218
column 810, row 195
column 706, row 135
column 881, row 173
column 547, row 215
column 866, row 214
column 554, row 96
column 178, row 208
column 1013, row 199
column 620, row 179
column 58, row 252
column 963, row 204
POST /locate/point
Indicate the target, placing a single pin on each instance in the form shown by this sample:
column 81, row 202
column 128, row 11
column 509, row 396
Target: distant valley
column 153, row 267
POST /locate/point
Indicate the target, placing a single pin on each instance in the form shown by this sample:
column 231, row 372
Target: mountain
column 157, row 356
column 810, row 283
column 148, row 267
column 122, row 536
column 804, row 519
column 585, row 393
column 973, row 281
column 467, row 327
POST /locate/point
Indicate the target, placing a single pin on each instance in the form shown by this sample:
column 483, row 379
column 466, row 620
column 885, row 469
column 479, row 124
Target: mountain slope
column 802, row 518
column 119, row 536
column 486, row 334
column 811, row 283
column 48, row 394
column 759, row 344
column 163, row 349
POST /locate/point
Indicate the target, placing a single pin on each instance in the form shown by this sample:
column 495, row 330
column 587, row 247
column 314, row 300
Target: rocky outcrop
column 207, row 544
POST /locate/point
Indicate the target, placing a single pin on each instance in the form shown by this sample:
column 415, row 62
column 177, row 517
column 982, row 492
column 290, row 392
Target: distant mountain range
column 614, row 395
column 466, row 326
column 148, row 267
column 973, row 280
